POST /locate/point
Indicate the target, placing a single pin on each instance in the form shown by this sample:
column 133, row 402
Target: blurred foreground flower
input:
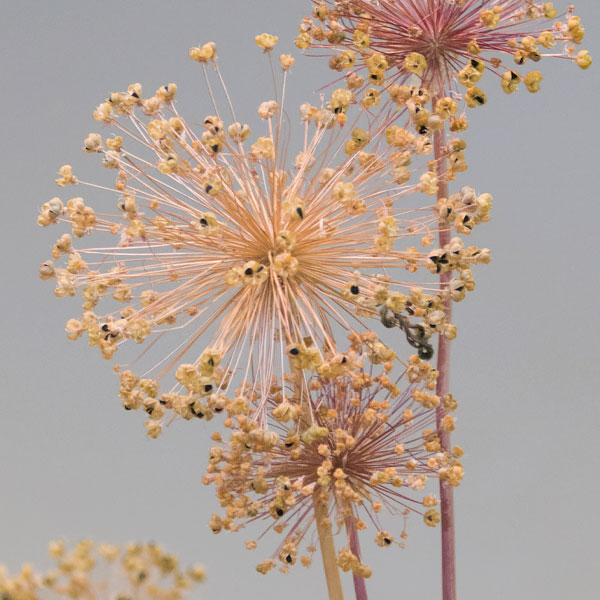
column 259, row 255
column 89, row 571
column 349, row 446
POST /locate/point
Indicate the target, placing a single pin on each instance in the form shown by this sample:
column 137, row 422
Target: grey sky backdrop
column 525, row 365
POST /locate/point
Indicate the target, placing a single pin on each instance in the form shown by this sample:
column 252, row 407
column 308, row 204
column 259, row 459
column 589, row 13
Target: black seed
column 288, row 558
column 248, row 271
column 354, row 289
column 425, row 353
column 294, row 351
column 300, row 212
column 279, row 512
column 215, row 148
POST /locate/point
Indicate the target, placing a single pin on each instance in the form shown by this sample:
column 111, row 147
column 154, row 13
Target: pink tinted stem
column 443, row 366
column 360, row 586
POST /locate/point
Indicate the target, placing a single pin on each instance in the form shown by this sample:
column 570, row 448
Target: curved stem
column 443, row 366
column 360, row 585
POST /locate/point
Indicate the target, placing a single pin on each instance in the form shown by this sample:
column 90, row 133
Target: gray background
column 74, row 464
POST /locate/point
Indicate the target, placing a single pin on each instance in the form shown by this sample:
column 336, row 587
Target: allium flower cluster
column 449, row 44
column 214, row 233
column 137, row 571
column 340, row 448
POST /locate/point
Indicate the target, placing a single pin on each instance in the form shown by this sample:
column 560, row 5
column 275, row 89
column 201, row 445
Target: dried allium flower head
column 233, row 244
column 447, row 43
column 351, row 442
column 142, row 571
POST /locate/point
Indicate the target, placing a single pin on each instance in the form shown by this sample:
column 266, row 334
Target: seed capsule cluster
column 449, row 44
column 350, row 438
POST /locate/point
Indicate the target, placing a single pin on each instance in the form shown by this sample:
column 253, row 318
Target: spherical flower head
column 343, row 449
column 447, row 43
column 249, row 250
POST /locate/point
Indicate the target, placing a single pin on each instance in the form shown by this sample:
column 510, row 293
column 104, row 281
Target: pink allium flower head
column 445, row 42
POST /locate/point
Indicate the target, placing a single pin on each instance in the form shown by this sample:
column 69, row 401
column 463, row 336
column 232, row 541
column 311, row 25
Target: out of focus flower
column 137, row 571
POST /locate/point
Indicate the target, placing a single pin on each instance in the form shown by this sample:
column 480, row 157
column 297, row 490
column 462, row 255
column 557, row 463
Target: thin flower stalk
column 360, row 584
column 327, row 545
column 442, row 388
